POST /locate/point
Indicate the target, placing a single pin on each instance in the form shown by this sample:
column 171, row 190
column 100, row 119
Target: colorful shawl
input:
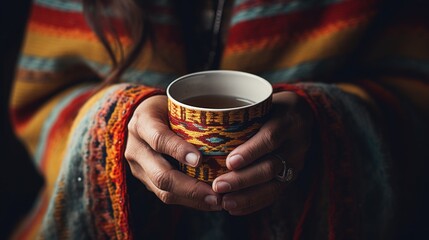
column 361, row 64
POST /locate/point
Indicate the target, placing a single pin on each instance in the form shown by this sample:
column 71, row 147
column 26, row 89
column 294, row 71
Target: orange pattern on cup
column 215, row 133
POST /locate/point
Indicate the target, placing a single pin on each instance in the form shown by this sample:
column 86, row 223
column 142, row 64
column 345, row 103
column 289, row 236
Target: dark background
column 19, row 181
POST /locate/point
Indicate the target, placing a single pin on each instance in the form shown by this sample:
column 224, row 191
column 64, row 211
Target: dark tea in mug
column 217, row 101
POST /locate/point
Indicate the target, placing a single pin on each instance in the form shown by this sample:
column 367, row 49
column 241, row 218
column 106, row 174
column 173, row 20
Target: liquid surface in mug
column 216, row 101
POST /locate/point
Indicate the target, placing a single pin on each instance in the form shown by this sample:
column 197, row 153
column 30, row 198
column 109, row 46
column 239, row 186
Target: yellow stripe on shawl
column 57, row 47
column 47, row 46
column 356, row 90
column 30, row 228
column 52, row 157
column 63, row 33
column 319, row 45
column 26, row 92
column 32, row 129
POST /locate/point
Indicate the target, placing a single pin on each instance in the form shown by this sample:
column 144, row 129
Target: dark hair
column 100, row 15
column 200, row 54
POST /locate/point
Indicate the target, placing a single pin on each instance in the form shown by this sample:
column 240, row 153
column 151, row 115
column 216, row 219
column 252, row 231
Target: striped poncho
column 363, row 66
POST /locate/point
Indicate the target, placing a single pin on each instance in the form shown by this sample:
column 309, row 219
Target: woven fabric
column 361, row 64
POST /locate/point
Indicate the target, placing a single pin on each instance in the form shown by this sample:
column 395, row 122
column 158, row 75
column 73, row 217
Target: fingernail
column 211, row 200
column 229, row 204
column 235, row 161
column 191, row 159
column 222, row 187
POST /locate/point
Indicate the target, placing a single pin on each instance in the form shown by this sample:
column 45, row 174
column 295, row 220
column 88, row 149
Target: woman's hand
column 148, row 138
column 251, row 185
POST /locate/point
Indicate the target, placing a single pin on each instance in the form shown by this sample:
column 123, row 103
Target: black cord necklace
column 213, row 60
column 203, row 46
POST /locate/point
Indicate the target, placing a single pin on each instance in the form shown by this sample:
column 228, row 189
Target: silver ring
column 288, row 174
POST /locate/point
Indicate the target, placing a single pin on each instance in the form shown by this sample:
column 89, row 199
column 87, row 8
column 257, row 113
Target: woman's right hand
column 149, row 136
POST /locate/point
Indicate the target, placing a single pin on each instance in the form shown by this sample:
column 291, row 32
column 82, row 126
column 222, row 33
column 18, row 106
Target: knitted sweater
column 361, row 64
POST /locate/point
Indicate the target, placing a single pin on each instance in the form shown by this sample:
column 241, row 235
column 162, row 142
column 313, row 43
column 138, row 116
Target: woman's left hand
column 252, row 183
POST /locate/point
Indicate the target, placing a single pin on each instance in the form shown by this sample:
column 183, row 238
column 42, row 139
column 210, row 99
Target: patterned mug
column 217, row 111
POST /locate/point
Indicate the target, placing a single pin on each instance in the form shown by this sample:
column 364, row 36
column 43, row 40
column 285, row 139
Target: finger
column 170, row 185
column 151, row 125
column 291, row 119
column 259, row 172
column 210, row 203
column 271, row 135
column 136, row 152
column 294, row 153
column 163, row 140
column 190, row 198
column 252, row 199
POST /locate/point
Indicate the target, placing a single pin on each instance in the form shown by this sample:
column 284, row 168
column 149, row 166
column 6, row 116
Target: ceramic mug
column 217, row 111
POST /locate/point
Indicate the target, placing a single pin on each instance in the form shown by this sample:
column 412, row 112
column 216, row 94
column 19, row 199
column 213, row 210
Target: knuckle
column 137, row 171
column 156, row 140
column 128, row 154
column 134, row 170
column 271, row 139
column 176, row 149
column 162, row 180
column 132, row 123
column 267, row 170
column 166, row 197
column 241, row 182
column 192, row 192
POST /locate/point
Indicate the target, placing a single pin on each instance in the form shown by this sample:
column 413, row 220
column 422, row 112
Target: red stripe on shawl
column 67, row 20
column 66, row 115
column 76, row 20
column 299, row 22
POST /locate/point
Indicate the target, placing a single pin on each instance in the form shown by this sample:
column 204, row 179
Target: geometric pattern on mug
column 212, row 167
column 215, row 140
column 215, row 134
column 218, row 118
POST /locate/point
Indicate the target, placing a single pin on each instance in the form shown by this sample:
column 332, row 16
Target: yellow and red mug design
column 215, row 134
column 217, row 131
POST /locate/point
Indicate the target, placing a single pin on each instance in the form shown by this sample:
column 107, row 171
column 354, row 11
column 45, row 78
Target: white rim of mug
column 219, row 109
